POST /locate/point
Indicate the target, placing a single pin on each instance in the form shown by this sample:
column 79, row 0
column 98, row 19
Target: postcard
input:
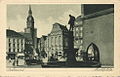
column 59, row 38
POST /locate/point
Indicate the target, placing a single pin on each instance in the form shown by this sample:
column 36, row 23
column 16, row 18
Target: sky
column 45, row 15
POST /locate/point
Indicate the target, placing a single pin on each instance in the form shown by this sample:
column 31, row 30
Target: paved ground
column 25, row 66
column 21, row 65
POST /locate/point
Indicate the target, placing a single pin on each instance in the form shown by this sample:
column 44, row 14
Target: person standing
column 17, row 61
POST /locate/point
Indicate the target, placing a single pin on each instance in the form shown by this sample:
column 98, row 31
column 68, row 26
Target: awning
column 11, row 52
column 20, row 54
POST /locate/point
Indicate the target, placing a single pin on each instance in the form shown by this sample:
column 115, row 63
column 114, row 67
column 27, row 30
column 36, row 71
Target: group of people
column 16, row 61
column 13, row 62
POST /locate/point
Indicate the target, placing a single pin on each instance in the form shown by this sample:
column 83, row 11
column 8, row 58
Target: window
column 17, row 50
column 13, row 40
column 9, row 45
column 51, row 40
column 77, row 34
column 81, row 41
column 81, row 28
column 9, row 40
column 13, row 45
column 56, row 41
column 9, row 49
column 60, row 40
column 93, row 52
column 13, row 50
column 77, row 42
column 19, row 40
column 77, row 29
column 18, row 46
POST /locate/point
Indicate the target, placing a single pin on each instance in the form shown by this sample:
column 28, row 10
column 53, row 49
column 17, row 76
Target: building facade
column 41, row 47
column 98, row 30
column 78, row 36
column 56, row 43
column 23, row 42
column 31, row 30
column 15, row 43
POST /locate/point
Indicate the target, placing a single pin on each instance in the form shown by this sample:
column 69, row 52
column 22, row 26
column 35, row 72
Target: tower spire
column 30, row 11
column 30, row 19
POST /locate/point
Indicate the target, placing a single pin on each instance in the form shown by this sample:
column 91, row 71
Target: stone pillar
column 71, row 53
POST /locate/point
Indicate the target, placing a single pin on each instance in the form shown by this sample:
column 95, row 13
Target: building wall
column 92, row 8
column 41, row 42
column 56, row 42
column 15, row 45
column 100, row 30
column 35, row 37
column 78, row 34
column 78, row 37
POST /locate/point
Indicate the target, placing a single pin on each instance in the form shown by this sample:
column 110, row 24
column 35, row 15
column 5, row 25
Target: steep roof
column 44, row 37
column 57, row 27
column 26, row 35
column 12, row 33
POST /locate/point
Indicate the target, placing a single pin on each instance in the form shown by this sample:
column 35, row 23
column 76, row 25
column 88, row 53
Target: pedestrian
column 17, row 61
column 9, row 60
column 13, row 62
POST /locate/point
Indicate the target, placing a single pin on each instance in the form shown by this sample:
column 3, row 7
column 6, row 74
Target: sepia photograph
column 60, row 36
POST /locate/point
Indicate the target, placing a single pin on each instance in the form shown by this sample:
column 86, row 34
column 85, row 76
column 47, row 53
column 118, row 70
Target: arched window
column 92, row 53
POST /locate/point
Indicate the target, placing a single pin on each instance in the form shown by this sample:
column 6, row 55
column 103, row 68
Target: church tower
column 30, row 19
column 30, row 30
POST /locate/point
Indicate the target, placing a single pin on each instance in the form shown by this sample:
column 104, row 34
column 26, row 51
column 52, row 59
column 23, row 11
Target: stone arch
column 93, row 53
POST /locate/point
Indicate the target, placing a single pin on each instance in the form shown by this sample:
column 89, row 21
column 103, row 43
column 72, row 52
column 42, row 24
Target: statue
column 71, row 60
column 71, row 22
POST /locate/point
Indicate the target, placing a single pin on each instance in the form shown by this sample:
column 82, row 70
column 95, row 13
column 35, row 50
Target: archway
column 93, row 53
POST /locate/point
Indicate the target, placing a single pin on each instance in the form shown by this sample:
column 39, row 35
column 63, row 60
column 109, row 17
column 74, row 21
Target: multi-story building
column 56, row 43
column 41, row 47
column 42, row 43
column 30, row 29
column 98, row 31
column 78, row 36
column 15, row 43
column 23, row 41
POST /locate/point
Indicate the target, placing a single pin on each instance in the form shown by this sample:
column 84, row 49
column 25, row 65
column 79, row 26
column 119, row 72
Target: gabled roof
column 12, row 33
column 44, row 37
column 26, row 35
column 57, row 27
